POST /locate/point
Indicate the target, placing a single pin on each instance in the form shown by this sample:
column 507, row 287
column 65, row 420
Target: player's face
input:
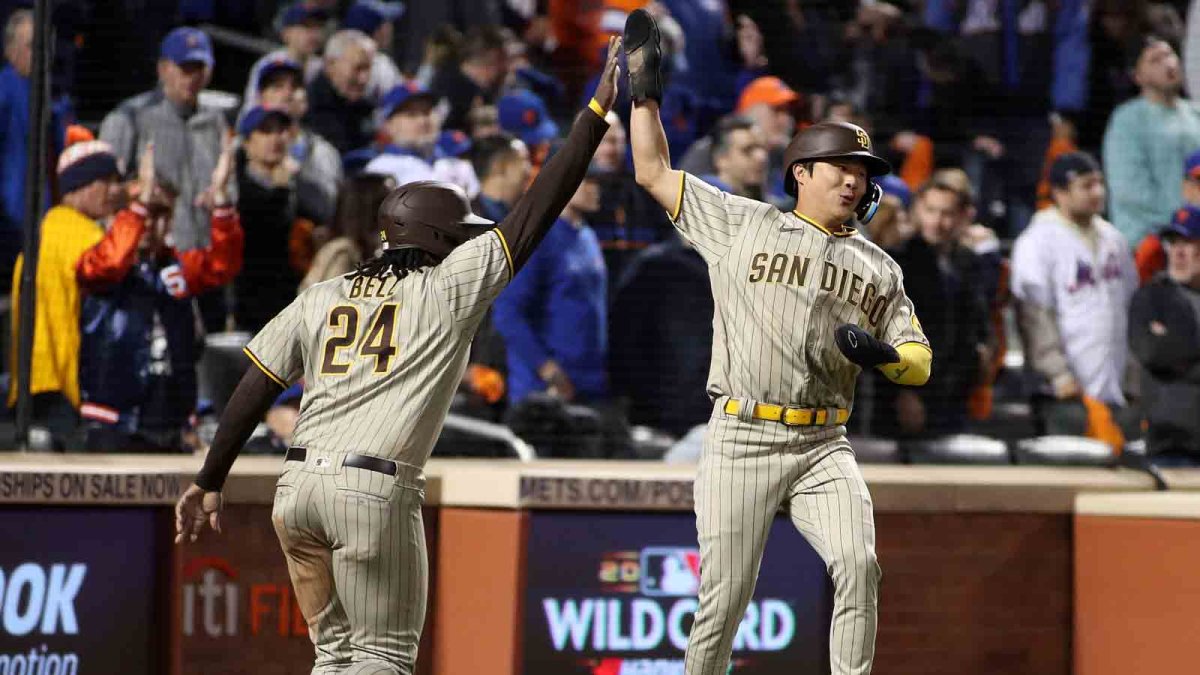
column 1084, row 195
column 1158, row 68
column 414, row 125
column 1183, row 260
column 937, row 216
column 835, row 188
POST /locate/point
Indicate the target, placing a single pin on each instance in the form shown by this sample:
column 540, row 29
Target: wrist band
column 597, row 108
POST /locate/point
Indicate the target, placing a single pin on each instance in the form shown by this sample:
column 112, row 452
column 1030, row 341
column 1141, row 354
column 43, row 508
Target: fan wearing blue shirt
column 553, row 316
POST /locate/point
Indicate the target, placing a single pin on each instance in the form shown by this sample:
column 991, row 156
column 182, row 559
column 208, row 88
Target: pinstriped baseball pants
column 748, row 471
column 355, row 547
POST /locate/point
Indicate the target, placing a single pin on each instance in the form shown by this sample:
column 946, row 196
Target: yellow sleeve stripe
column 266, row 371
column 507, row 253
column 596, row 108
column 678, row 200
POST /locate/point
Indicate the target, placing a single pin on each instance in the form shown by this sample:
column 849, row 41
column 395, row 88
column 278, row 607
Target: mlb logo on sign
column 670, row 571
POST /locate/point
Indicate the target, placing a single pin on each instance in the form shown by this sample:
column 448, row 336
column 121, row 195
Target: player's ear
column 798, row 171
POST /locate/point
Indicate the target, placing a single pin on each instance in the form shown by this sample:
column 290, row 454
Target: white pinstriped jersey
column 781, row 285
column 381, row 358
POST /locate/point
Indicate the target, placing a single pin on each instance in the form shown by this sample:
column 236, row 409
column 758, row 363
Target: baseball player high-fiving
column 802, row 303
column 381, row 351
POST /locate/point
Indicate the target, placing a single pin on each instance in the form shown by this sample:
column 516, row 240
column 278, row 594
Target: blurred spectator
column 1164, row 337
column 442, row 49
column 138, row 363
column 355, row 233
column 1147, row 141
column 705, row 64
column 1072, row 277
column 477, row 78
column 1150, row 256
column 88, row 178
column 942, row 277
column 417, row 149
column 320, row 164
column 553, row 316
column 629, row 219
column 739, row 155
column 483, row 121
column 339, row 109
column 187, row 137
column 269, row 202
column 770, row 104
column 376, row 19
column 661, row 329
column 14, row 135
column 425, row 19
column 503, row 166
column 303, row 29
column 524, row 115
column 891, row 225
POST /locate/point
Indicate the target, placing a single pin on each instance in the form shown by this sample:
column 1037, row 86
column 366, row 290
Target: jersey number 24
column 379, row 342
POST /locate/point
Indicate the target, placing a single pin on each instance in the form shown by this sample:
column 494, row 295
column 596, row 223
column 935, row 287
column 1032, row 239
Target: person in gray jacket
column 1164, row 338
column 187, row 136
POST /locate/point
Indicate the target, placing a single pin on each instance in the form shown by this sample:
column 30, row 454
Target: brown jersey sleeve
column 535, row 212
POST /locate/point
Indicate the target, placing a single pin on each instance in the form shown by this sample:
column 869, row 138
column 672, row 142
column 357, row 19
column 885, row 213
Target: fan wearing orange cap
column 771, row 104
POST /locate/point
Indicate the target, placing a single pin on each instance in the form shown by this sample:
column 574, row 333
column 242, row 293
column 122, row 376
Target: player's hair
column 399, row 262
column 723, row 133
column 490, row 151
column 342, row 40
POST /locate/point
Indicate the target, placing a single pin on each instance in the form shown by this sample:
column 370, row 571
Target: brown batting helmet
column 831, row 140
column 431, row 215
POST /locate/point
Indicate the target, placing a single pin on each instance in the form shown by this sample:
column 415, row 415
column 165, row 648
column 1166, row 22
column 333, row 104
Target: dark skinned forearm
column 250, row 402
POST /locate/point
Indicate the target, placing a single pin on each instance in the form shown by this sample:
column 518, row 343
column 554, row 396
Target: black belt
column 384, row 466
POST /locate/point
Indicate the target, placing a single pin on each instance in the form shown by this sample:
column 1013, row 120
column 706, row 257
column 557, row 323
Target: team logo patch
column 864, row 140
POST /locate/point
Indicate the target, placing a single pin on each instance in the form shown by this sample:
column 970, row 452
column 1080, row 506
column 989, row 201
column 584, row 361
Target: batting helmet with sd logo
column 431, row 215
column 837, row 140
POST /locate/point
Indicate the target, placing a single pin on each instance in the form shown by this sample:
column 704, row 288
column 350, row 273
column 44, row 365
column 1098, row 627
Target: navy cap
column 187, row 45
column 254, row 118
column 523, row 114
column 303, row 13
column 368, row 15
column 1191, row 166
column 402, row 94
column 1185, row 223
column 278, row 64
column 1070, row 165
column 83, row 163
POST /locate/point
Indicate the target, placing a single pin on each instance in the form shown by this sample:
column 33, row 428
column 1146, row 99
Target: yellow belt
column 791, row 417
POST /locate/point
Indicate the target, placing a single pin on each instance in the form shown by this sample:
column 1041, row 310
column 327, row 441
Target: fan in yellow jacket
column 88, row 177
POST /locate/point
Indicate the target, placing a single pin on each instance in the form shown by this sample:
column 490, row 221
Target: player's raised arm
column 651, row 155
column 536, row 210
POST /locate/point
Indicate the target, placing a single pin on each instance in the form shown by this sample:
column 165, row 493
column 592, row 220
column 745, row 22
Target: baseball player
column 381, row 351
column 802, row 302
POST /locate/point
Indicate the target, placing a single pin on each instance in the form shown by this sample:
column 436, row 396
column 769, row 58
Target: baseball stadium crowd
column 210, row 158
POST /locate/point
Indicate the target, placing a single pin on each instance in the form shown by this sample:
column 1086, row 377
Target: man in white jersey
column 802, row 303
column 1073, row 277
column 381, row 351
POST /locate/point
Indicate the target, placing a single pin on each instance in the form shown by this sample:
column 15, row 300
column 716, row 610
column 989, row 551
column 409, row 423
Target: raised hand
column 606, row 90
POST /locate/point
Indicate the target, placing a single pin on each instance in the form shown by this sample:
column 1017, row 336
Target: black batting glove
column 643, row 56
column 862, row 348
